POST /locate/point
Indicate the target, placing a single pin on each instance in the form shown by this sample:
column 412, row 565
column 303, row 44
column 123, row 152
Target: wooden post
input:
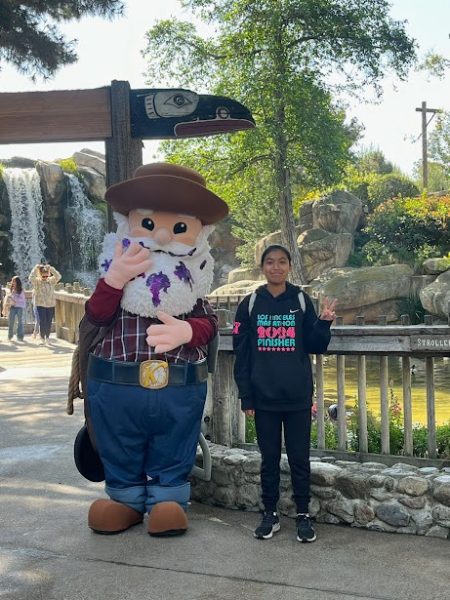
column 342, row 424
column 226, row 419
column 431, row 413
column 424, row 110
column 320, row 417
column 362, row 405
column 384, row 405
column 123, row 153
column 407, row 408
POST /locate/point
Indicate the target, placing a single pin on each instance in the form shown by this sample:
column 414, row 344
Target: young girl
column 272, row 340
column 15, row 301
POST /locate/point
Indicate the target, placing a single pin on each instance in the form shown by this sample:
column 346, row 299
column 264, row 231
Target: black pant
column 45, row 320
column 297, row 437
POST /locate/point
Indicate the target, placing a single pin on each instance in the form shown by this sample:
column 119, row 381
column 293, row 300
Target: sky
column 110, row 50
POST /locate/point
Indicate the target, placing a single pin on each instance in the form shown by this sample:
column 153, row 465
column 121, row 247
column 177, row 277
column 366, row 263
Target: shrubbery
column 391, row 185
column 397, row 435
column 68, row 165
column 408, row 230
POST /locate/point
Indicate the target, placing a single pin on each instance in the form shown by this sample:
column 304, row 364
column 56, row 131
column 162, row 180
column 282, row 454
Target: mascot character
column 145, row 379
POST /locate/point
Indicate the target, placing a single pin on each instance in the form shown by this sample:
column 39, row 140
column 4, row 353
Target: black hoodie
column 272, row 346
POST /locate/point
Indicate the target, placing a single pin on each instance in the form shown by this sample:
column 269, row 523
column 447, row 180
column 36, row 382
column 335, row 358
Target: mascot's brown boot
column 110, row 517
column 166, row 519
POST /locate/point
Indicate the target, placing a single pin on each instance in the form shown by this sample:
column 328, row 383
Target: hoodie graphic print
column 275, row 333
column 272, row 346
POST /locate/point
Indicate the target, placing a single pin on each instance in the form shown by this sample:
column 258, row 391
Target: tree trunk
column 283, row 183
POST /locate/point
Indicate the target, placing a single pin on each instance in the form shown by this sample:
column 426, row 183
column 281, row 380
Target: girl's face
column 276, row 267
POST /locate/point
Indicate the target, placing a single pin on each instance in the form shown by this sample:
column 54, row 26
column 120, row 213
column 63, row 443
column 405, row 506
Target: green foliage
column 2, row 168
column 412, row 307
column 276, row 58
column 434, row 64
column 250, row 430
column 68, row 165
column 30, row 39
column 331, row 435
column 438, row 177
column 396, row 434
column 408, row 230
column 439, row 143
column 373, row 161
column 391, row 185
column 443, row 440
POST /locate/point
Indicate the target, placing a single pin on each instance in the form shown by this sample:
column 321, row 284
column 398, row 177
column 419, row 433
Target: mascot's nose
column 162, row 236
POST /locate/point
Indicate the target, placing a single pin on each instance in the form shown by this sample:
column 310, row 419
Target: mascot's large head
column 169, row 210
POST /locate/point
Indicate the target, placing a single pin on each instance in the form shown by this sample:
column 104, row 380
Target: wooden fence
column 224, row 423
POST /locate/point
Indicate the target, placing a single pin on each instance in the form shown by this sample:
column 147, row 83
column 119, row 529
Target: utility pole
column 424, row 110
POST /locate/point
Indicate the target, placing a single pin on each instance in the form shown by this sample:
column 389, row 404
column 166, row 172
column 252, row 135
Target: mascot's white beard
column 173, row 283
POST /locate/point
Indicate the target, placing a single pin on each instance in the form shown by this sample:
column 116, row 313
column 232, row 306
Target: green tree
column 408, row 230
column 439, row 143
column 282, row 59
column 391, row 185
column 29, row 36
column 438, row 176
column 373, row 161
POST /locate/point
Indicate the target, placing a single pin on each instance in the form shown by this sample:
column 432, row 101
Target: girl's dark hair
column 16, row 285
column 275, row 247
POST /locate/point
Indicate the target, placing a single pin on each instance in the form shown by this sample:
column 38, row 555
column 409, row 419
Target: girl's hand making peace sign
column 327, row 312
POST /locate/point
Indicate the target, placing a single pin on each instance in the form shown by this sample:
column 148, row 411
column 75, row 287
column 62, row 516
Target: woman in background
column 15, row 303
column 44, row 278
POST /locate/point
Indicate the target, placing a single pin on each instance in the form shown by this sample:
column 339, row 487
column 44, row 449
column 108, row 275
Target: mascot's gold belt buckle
column 154, row 374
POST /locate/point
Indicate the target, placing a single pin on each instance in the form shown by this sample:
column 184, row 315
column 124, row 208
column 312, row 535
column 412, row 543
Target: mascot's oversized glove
column 171, row 334
column 127, row 264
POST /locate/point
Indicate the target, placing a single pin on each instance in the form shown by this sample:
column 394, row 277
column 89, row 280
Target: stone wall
column 402, row 498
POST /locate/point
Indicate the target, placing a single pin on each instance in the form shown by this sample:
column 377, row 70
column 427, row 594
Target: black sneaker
column 269, row 525
column 305, row 531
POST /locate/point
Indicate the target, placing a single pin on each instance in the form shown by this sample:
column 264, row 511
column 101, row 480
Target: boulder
column 244, row 274
column 435, row 266
column 95, row 182
column 223, row 249
column 305, row 215
column 239, row 288
column 263, row 243
column 371, row 291
column 435, row 297
column 338, row 212
column 321, row 250
column 91, row 159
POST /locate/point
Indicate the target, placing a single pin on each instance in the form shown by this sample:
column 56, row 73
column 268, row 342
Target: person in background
column 36, row 316
column 43, row 279
column 15, row 304
column 272, row 341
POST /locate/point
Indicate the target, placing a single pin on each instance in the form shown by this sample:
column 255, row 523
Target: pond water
column 418, row 385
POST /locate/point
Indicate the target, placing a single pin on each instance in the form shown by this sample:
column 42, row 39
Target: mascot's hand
column 127, row 264
column 171, row 334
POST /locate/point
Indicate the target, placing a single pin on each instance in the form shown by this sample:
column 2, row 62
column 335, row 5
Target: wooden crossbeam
column 55, row 116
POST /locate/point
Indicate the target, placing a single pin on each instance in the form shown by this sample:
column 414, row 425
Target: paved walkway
column 48, row 553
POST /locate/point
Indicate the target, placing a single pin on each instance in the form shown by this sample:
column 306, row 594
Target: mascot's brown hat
column 169, row 188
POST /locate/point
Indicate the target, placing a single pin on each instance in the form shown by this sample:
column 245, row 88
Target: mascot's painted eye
column 148, row 224
column 180, row 228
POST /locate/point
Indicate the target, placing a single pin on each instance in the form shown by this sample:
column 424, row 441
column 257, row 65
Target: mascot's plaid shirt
column 126, row 341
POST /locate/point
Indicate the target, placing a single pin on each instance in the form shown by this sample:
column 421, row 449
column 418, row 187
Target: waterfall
column 89, row 231
column 27, row 236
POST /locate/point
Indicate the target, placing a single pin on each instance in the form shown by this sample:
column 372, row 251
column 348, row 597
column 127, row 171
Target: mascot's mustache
column 178, row 250
column 190, row 253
